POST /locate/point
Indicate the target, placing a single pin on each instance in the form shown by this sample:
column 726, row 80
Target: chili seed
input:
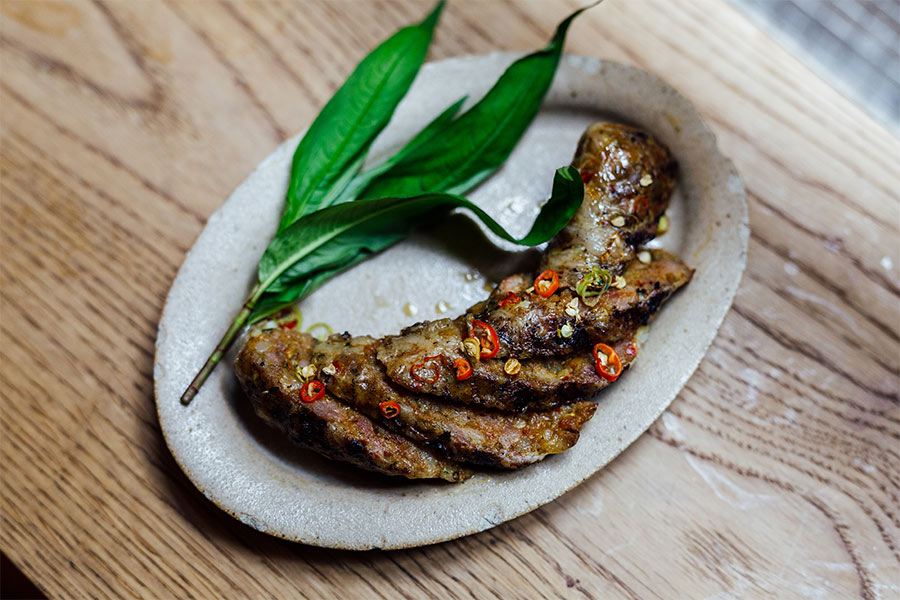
column 472, row 347
column 663, row 225
column 512, row 367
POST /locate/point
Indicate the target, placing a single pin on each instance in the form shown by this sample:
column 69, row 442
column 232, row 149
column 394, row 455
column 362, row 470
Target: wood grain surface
column 775, row 473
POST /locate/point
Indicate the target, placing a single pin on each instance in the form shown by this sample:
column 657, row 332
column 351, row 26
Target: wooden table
column 776, row 472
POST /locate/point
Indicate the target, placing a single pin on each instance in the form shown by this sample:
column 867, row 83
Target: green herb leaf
column 272, row 302
column 336, row 142
column 318, row 241
column 473, row 146
column 361, row 180
column 417, row 184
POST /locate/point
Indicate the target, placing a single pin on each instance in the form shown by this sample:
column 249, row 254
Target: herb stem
column 224, row 344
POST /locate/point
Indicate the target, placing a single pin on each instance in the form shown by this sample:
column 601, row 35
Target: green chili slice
column 592, row 285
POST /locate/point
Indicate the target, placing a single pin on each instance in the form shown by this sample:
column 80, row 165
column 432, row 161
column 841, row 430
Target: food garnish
column 330, row 369
column 312, row 391
column 463, row 369
column 511, row 298
column 546, row 283
column 663, row 225
column 316, row 326
column 608, row 363
column 323, row 231
column 512, row 367
column 389, row 409
column 428, row 370
column 304, row 373
column 593, row 285
column 487, row 338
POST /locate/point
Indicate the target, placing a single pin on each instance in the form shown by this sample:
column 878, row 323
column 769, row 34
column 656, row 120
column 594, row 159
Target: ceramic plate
column 250, row 472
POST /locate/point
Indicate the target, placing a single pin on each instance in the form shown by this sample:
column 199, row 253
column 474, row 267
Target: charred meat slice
column 540, row 384
column 266, row 370
column 533, row 329
column 628, row 177
column 559, row 369
column 468, row 434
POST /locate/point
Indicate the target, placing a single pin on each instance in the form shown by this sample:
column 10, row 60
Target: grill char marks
column 531, row 331
column 531, row 328
column 468, row 434
column 265, row 368
column 540, row 383
column 627, row 174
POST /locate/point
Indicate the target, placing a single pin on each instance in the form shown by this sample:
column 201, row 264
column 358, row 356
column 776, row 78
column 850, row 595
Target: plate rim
column 590, row 65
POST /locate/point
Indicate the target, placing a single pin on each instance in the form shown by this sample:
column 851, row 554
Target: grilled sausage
column 497, row 416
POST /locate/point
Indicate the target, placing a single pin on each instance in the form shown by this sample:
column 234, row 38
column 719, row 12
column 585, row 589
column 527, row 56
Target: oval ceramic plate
column 251, row 473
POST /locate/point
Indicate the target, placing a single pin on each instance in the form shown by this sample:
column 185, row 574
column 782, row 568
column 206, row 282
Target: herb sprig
column 336, row 143
column 336, row 215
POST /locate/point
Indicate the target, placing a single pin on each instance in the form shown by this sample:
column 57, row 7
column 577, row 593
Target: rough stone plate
column 251, row 473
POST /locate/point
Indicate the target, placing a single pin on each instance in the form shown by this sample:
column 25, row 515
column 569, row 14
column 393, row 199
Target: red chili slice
column 612, row 360
column 486, row 335
column 417, row 369
column 463, row 369
column 389, row 409
column 291, row 324
column 511, row 298
column 546, row 283
column 312, row 390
